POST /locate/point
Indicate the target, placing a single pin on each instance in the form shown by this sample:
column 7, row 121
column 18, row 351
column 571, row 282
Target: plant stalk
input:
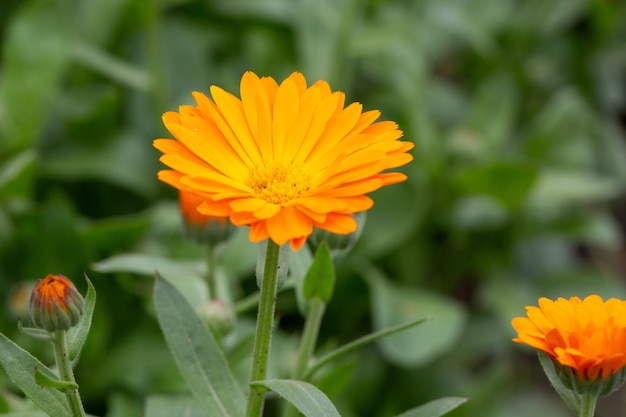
column 588, row 406
column 264, row 326
column 307, row 345
column 64, row 364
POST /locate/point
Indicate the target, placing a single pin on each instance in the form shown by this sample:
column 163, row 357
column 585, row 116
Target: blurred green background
column 517, row 109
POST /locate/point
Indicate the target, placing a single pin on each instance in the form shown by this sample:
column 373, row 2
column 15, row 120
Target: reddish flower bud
column 55, row 304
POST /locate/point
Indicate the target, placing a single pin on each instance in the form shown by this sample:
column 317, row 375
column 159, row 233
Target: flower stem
column 309, row 336
column 62, row 356
column 211, row 276
column 588, row 406
column 307, row 344
column 264, row 324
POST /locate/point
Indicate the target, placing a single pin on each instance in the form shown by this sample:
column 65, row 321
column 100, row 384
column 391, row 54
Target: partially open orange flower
column 587, row 335
column 55, row 303
column 283, row 159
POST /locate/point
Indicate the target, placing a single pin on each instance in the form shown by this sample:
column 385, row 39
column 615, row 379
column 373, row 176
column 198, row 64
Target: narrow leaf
column 309, row 400
column 77, row 335
column 34, row 331
column 46, row 380
column 570, row 398
column 197, row 354
column 355, row 344
column 20, row 367
column 320, row 278
column 435, row 408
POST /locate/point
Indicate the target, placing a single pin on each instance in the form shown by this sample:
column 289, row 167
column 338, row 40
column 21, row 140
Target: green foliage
column 197, row 354
column 309, row 400
column 516, row 109
column 435, row 408
column 319, row 281
column 22, row 368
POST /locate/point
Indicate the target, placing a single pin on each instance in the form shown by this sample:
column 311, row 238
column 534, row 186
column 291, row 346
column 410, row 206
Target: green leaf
column 17, row 175
column 162, row 406
column 20, row 367
column 188, row 276
column 35, row 332
column 197, row 354
column 508, row 183
column 33, row 66
column 570, row 398
column 320, row 279
column 77, row 335
column 435, row 408
column 355, row 344
column 45, row 380
column 309, row 400
column 393, row 304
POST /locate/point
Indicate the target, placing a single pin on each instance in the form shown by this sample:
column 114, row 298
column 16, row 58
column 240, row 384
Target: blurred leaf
column 123, row 404
column 493, row 113
column 309, row 400
column 17, row 175
column 35, row 57
column 52, row 241
column 111, row 66
column 161, row 406
column 392, row 305
column 320, row 27
column 186, row 275
column 319, row 281
column 559, row 189
column 123, row 161
column 20, row 366
column 435, row 408
column 393, row 219
column 77, row 335
column 507, row 182
column 99, row 18
column 197, row 354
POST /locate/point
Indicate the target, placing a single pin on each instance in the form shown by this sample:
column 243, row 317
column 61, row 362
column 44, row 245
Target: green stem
column 264, row 324
column 62, row 356
column 588, row 406
column 211, row 277
column 309, row 336
column 307, row 345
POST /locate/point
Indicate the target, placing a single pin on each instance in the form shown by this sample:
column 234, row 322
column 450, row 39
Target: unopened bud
column 339, row 245
column 55, row 303
column 218, row 316
column 203, row 229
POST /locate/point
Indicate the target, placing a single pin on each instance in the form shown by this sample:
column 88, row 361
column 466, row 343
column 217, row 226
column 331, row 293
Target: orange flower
column 55, row 304
column 588, row 336
column 206, row 229
column 283, row 159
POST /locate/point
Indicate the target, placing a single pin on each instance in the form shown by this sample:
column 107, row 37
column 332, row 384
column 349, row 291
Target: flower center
column 278, row 183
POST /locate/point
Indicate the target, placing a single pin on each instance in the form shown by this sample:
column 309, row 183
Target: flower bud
column 339, row 245
column 203, row 229
column 218, row 316
column 55, row 304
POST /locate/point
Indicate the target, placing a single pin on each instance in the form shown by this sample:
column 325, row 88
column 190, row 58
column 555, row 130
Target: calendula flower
column 282, row 159
column 205, row 229
column 588, row 336
column 55, row 303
